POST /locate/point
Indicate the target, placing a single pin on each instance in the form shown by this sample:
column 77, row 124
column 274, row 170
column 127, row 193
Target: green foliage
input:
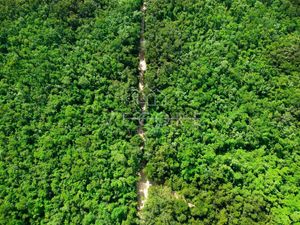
column 164, row 208
column 222, row 140
column 227, row 72
column 67, row 156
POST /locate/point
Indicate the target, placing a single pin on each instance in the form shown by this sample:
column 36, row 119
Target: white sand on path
column 143, row 190
column 143, row 184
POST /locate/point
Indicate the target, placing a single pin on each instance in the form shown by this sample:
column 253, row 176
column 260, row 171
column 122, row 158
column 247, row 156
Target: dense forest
column 222, row 128
column 67, row 156
column 224, row 133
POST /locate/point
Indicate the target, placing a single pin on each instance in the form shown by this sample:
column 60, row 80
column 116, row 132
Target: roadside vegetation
column 66, row 71
column 224, row 132
column 222, row 127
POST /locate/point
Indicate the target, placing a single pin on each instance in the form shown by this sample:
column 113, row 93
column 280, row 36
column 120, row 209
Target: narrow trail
column 143, row 184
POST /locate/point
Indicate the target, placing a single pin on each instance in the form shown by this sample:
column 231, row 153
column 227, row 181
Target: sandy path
column 143, row 184
column 143, row 190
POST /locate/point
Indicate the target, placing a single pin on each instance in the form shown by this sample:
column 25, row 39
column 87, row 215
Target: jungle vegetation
column 66, row 154
column 222, row 129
